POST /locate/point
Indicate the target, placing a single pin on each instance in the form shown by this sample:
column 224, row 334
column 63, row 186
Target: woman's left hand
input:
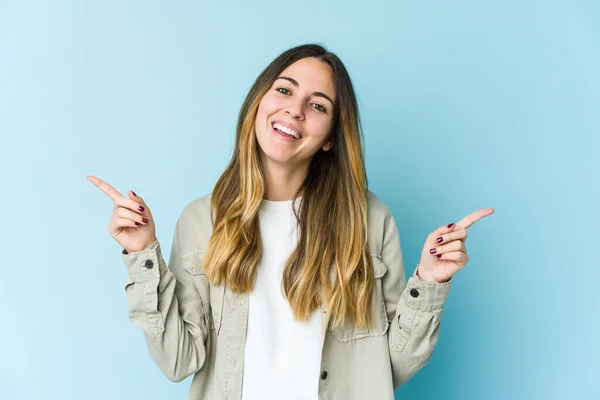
column 444, row 253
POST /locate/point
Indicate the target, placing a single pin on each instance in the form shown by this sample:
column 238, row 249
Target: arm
column 414, row 309
column 166, row 306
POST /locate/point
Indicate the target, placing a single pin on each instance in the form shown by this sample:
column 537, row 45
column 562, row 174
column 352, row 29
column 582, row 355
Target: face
column 295, row 116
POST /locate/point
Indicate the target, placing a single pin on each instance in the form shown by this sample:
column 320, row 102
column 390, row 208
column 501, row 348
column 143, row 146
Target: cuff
column 145, row 265
column 425, row 295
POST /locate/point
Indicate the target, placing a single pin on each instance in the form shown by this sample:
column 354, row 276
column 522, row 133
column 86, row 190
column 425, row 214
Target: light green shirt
column 193, row 327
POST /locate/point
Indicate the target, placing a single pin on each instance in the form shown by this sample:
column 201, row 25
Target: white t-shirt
column 282, row 355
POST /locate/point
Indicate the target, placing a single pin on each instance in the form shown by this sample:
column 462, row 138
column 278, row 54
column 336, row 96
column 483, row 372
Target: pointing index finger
column 474, row 217
column 105, row 187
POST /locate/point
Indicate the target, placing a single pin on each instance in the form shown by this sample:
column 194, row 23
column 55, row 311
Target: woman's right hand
column 131, row 224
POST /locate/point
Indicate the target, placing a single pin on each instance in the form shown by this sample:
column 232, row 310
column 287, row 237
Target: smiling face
column 295, row 117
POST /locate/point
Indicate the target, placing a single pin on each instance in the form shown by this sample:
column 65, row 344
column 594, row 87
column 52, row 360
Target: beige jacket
column 193, row 327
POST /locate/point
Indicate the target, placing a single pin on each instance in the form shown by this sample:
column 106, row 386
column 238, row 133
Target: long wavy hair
column 332, row 218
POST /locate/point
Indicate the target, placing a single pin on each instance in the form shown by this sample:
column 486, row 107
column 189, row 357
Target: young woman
column 287, row 280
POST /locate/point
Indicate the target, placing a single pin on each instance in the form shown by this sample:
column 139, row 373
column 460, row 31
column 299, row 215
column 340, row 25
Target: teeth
column 289, row 131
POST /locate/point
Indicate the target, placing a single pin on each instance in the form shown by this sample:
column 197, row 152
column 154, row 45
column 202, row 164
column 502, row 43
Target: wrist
column 426, row 277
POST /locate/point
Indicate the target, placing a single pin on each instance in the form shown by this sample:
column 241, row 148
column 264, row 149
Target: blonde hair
column 332, row 217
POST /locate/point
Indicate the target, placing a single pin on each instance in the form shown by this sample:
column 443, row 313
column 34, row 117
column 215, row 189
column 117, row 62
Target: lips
column 284, row 135
column 289, row 126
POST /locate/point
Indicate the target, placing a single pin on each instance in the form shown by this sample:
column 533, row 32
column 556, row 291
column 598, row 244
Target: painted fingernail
column 450, row 226
column 432, row 251
column 440, row 240
column 145, row 220
column 141, row 208
column 439, row 256
column 137, row 223
column 134, row 193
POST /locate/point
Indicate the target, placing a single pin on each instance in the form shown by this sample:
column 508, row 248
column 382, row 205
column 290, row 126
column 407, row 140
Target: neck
column 282, row 181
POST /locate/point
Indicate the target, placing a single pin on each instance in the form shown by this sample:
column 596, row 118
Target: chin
column 275, row 156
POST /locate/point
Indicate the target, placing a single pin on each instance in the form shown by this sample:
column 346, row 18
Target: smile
column 286, row 132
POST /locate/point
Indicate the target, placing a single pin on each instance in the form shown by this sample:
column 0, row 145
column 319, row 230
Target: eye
column 319, row 107
column 284, row 89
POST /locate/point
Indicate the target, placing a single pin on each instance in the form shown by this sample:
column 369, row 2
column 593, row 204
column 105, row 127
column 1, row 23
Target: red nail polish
column 137, row 223
column 145, row 220
column 439, row 256
column 440, row 240
column 450, row 226
column 134, row 193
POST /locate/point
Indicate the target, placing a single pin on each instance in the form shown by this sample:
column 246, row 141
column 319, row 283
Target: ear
column 327, row 146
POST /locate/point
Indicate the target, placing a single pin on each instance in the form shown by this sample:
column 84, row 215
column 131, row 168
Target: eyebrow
column 295, row 83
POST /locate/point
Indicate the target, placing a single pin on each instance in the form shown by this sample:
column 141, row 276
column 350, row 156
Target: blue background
column 465, row 105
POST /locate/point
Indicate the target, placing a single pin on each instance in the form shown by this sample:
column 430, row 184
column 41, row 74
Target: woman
column 287, row 280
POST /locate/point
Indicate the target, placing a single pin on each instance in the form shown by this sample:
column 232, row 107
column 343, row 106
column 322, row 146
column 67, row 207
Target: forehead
column 312, row 75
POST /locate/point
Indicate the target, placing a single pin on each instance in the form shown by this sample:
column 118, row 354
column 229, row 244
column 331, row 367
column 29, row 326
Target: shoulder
column 379, row 217
column 376, row 206
column 197, row 208
column 378, row 211
column 195, row 222
column 201, row 206
column 195, row 225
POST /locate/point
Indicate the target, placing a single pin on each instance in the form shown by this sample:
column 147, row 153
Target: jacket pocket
column 211, row 296
column 350, row 332
column 381, row 321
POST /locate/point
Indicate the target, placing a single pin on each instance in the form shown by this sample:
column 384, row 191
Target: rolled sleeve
column 145, row 265
column 425, row 295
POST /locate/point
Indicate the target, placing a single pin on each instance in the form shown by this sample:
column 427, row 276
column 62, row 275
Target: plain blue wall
column 465, row 105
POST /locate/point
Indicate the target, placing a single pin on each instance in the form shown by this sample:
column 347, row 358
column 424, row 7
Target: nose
column 295, row 111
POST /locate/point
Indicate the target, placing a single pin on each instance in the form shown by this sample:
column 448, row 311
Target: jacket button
column 414, row 292
column 324, row 375
column 149, row 264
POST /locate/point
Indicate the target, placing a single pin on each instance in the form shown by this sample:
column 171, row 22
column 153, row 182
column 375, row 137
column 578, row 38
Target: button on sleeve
column 144, row 265
column 425, row 295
